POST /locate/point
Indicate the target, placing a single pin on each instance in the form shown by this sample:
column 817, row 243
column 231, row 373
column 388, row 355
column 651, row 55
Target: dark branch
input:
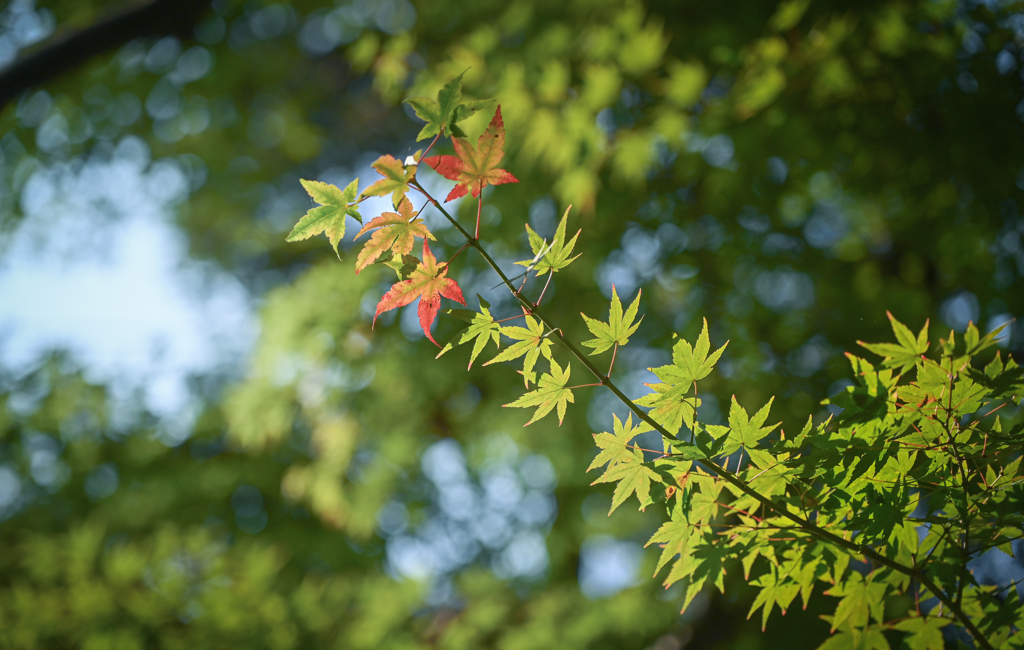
column 69, row 49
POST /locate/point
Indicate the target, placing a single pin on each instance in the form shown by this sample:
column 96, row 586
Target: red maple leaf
column 475, row 168
column 428, row 283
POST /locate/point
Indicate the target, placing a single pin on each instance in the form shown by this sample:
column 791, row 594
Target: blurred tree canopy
column 789, row 171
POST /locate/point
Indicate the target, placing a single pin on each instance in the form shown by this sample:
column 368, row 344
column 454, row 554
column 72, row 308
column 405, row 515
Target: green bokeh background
column 788, row 171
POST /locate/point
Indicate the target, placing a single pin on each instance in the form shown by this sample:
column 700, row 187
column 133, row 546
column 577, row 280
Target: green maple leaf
column 747, row 431
column 617, row 330
column 615, row 446
column 670, row 406
column 923, row 633
column 676, row 538
column 632, row 476
column 693, row 362
column 867, row 640
column 906, row 352
column 482, row 329
column 443, row 113
column 668, row 402
column 706, row 563
column 551, row 392
column 860, row 600
column 532, row 342
column 397, row 177
column 774, row 591
column 556, row 254
column 329, row 218
column 395, row 231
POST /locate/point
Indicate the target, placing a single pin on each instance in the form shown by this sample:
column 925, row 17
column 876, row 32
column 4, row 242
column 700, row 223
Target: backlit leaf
column 329, row 218
column 428, row 283
column 551, row 392
column 617, row 330
column 554, row 256
column 532, row 341
column 395, row 231
column 475, row 168
column 443, row 113
column 397, row 177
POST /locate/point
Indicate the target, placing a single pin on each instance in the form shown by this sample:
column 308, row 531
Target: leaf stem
column 431, row 146
column 781, row 510
column 551, row 274
column 452, row 258
column 479, row 209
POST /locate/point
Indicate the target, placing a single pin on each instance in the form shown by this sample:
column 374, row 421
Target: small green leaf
column 632, row 476
column 556, row 256
column 615, row 446
column 861, row 600
column 551, row 392
column 617, row 330
column 445, row 111
column 482, row 329
column 906, row 352
column 694, row 362
column 532, row 342
column 747, row 431
column 330, row 217
column 775, row 590
column 923, row 633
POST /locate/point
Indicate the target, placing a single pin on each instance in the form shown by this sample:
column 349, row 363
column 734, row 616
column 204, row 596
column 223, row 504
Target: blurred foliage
column 788, row 170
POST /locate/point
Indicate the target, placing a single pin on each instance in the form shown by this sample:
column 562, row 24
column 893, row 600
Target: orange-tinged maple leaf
column 477, row 168
column 396, row 179
column 428, row 283
column 397, row 232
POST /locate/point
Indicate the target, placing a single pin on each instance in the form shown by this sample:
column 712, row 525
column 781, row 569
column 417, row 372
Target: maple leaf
column 617, row 330
column 615, row 446
column 909, row 350
column 551, row 392
column 482, row 328
column 861, row 599
column 329, row 218
column 924, row 633
column 443, row 113
column 396, row 232
column 428, row 283
column 747, row 431
column 675, row 537
column 694, row 362
column 668, row 403
column 553, row 256
column 631, row 475
column 397, row 177
column 475, row 168
column 532, row 342
column 775, row 590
